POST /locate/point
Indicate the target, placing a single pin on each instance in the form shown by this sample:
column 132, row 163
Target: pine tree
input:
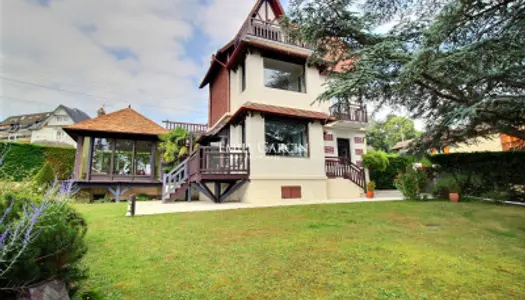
column 458, row 64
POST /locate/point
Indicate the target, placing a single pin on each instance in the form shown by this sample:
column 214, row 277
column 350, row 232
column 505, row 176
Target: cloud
column 120, row 51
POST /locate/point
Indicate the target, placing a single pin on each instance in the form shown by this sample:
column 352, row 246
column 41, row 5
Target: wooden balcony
column 269, row 31
column 349, row 112
column 191, row 127
column 219, row 164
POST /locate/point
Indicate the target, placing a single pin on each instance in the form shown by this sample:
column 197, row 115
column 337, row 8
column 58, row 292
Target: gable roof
column 126, row 121
column 75, row 114
column 219, row 59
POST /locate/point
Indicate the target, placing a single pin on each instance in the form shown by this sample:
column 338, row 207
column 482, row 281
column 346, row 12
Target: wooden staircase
column 176, row 182
column 341, row 168
column 226, row 170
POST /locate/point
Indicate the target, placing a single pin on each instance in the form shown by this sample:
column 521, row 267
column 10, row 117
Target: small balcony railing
column 268, row 31
column 191, row 127
column 349, row 112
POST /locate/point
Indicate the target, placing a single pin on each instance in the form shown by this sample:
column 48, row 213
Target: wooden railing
column 349, row 112
column 341, row 168
column 174, row 179
column 191, row 127
column 219, row 161
column 268, row 31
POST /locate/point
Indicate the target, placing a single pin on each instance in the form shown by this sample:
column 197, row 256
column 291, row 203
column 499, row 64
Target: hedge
column 23, row 160
column 482, row 172
column 396, row 163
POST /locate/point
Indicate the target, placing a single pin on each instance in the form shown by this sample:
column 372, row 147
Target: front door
column 343, row 150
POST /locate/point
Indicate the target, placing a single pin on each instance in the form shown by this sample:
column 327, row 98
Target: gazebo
column 117, row 152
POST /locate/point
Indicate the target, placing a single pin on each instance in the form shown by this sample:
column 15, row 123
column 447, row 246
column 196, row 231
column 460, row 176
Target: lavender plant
column 41, row 237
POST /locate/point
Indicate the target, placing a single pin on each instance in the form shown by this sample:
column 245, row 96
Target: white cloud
column 67, row 45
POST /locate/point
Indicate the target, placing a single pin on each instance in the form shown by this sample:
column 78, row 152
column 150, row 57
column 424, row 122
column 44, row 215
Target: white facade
column 268, row 174
column 51, row 130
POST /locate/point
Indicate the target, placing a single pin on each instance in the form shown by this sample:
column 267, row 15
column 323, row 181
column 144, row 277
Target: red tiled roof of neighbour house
column 126, row 121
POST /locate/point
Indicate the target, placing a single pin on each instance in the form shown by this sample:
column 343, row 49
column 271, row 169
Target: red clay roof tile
column 121, row 121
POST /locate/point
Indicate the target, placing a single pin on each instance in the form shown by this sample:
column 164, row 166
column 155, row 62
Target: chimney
column 101, row 112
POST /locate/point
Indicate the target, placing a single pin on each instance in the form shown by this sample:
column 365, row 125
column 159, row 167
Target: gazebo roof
column 125, row 121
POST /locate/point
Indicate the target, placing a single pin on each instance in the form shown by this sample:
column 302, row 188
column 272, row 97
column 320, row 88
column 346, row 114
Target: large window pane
column 101, row 156
column 122, row 164
column 285, row 138
column 284, row 75
column 143, row 158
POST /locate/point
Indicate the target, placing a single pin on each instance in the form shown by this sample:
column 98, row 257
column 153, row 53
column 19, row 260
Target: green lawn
column 369, row 250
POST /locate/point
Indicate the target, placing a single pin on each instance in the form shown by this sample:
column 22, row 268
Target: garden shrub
column 23, row 161
column 396, row 163
column 376, row 160
column 409, row 183
column 481, row 172
column 45, row 177
column 54, row 248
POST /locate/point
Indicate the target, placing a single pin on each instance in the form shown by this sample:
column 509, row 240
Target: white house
column 261, row 93
column 43, row 128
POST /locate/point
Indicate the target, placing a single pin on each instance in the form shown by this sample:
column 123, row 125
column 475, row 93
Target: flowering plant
column 410, row 182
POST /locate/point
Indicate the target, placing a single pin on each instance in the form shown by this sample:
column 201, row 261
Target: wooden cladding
column 359, row 140
column 358, row 151
column 328, row 136
column 290, row 192
column 329, row 150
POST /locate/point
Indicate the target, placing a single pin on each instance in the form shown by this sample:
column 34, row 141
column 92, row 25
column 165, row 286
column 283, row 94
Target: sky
column 87, row 54
column 150, row 54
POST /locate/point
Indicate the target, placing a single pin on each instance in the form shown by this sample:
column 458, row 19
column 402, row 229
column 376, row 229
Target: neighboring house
column 117, row 154
column 42, row 128
column 19, row 128
column 495, row 142
column 266, row 141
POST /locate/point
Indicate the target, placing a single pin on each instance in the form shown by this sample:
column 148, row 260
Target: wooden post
column 152, row 159
column 90, row 157
column 78, row 157
column 112, row 159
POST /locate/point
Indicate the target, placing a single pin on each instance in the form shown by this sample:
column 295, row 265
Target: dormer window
column 284, row 75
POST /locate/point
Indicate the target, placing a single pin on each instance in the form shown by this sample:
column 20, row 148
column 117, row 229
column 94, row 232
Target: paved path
column 157, row 207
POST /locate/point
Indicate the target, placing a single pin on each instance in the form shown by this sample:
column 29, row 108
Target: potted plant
column 453, row 192
column 370, row 187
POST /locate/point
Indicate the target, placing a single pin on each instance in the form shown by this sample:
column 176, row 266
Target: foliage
column 456, row 63
column 174, row 145
column 396, row 164
column 388, row 240
column 481, row 172
column 441, row 187
column 143, row 197
column 370, row 186
column 45, row 177
column 384, row 134
column 409, row 183
column 41, row 238
column 376, row 160
column 23, row 161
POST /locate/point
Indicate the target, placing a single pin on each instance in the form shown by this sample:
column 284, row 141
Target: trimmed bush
column 376, row 160
column 481, row 172
column 396, row 164
column 45, row 176
column 23, row 161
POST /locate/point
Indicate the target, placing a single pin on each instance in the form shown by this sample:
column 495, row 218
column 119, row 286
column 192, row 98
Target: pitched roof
column 27, row 119
column 402, row 145
column 122, row 121
column 76, row 114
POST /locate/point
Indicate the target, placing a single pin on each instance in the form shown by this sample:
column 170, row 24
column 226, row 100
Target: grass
column 389, row 250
